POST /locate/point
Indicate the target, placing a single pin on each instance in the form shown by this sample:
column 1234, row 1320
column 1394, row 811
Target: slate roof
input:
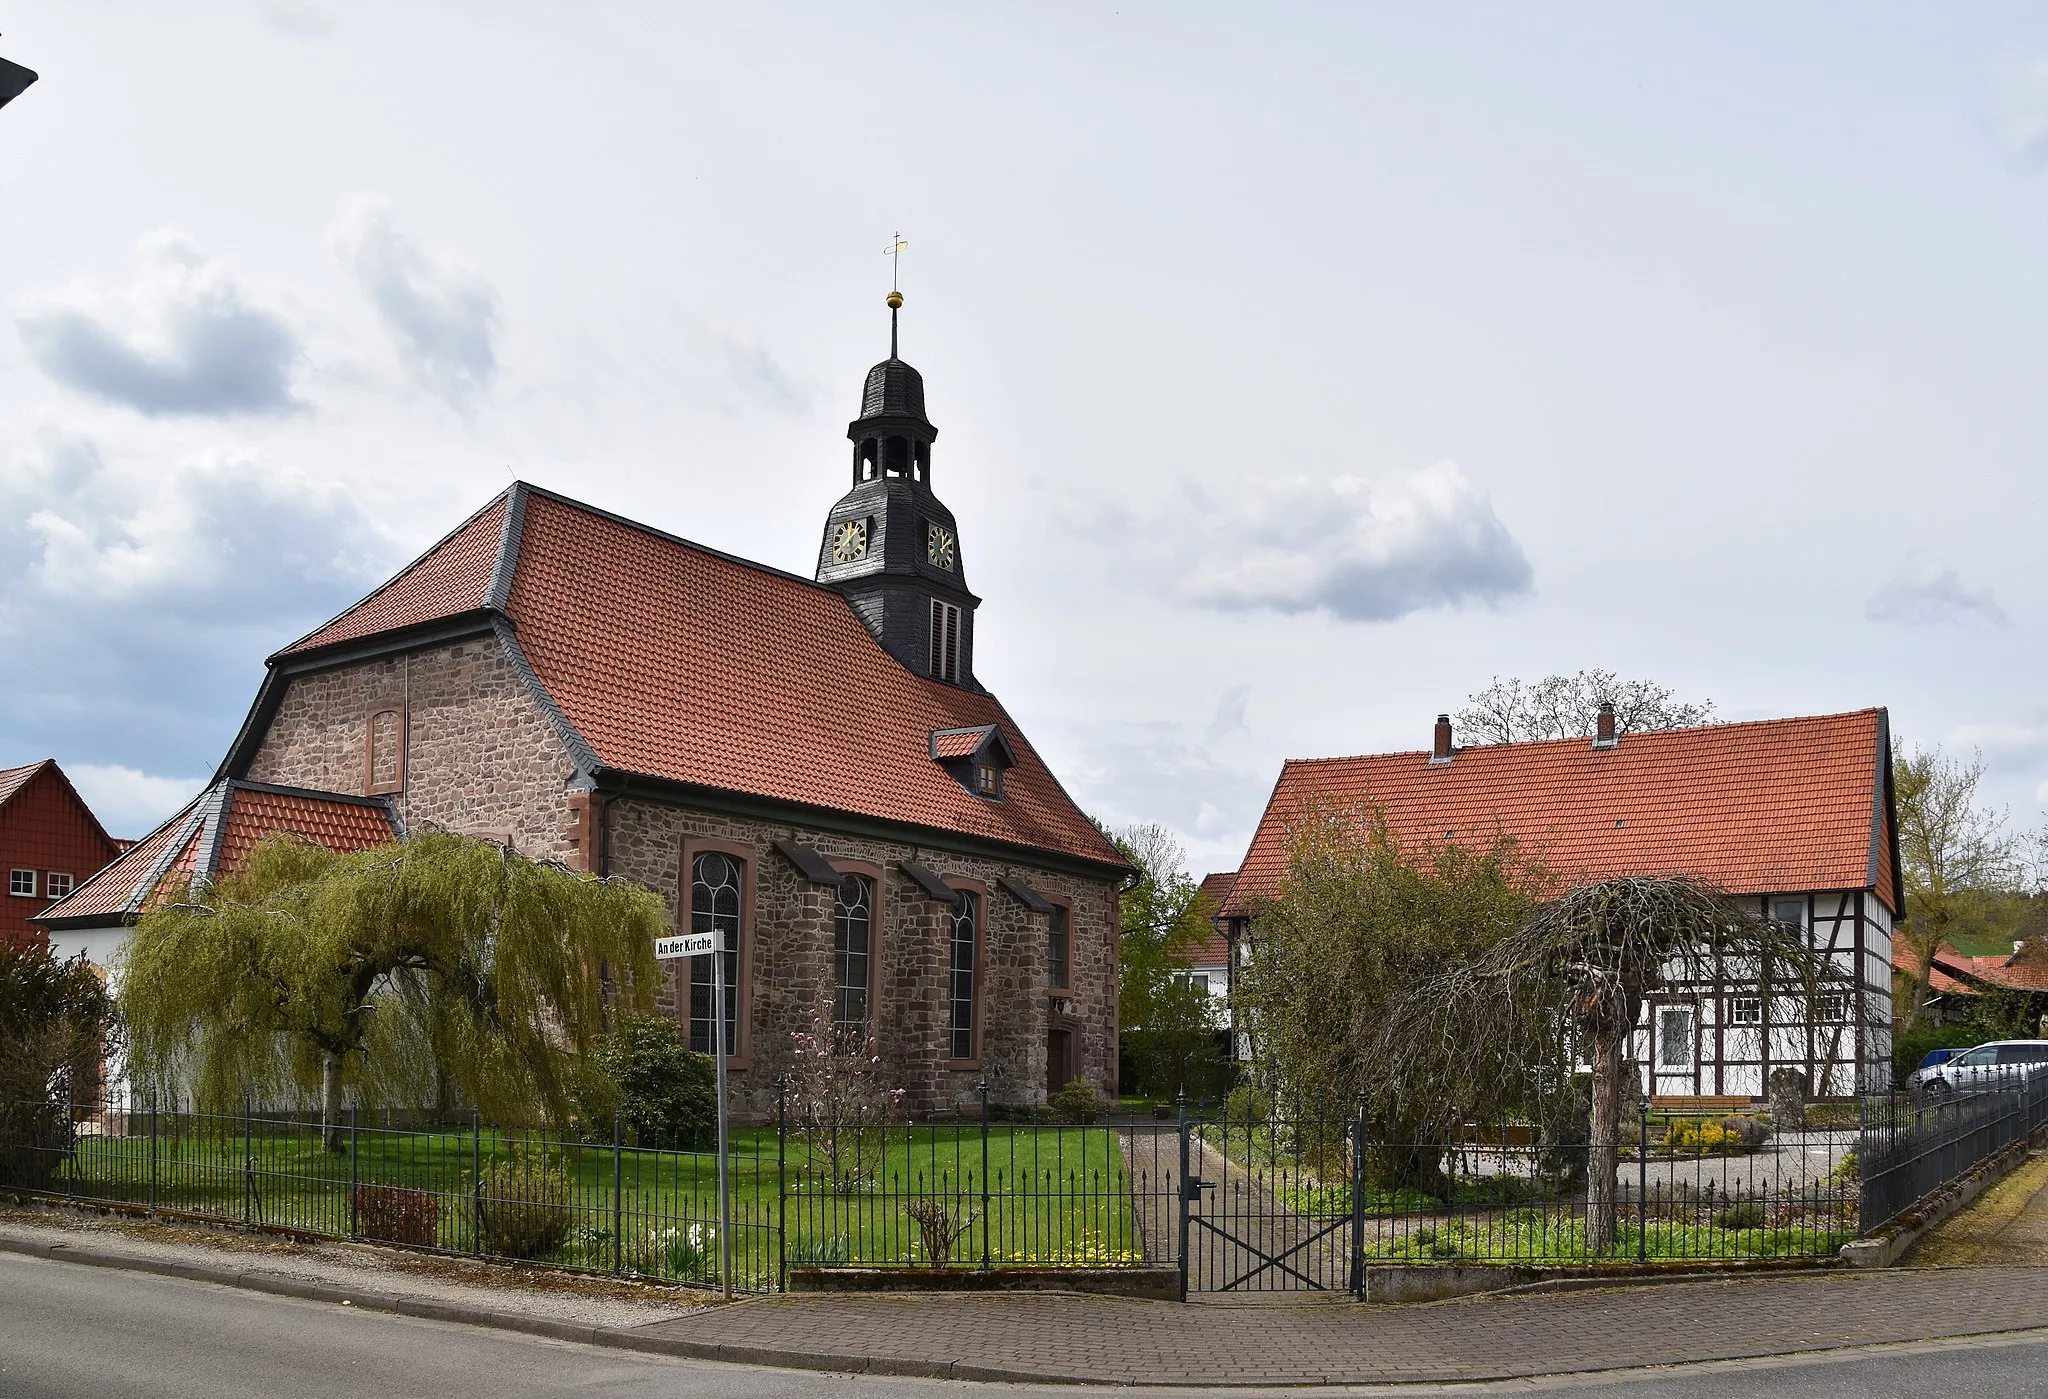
column 672, row 661
column 212, row 836
column 1775, row 805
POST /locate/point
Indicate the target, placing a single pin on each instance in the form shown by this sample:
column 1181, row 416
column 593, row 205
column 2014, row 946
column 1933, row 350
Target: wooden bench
column 1704, row 1105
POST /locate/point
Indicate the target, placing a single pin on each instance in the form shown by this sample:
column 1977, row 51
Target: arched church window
column 715, row 903
column 853, row 918
column 384, row 751
column 961, row 982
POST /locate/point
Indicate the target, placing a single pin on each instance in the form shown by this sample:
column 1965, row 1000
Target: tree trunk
column 1609, row 1095
column 330, row 1103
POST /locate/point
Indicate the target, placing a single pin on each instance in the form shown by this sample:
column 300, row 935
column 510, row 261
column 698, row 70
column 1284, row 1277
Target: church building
column 807, row 766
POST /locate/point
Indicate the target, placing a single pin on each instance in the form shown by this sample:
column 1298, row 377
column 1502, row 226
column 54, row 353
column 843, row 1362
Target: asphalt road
column 69, row 1332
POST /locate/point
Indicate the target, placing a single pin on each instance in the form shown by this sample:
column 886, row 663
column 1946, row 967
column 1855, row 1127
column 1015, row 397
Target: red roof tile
column 205, row 847
column 957, row 745
column 1215, row 951
column 12, row 780
column 676, row 662
column 1782, row 804
column 1956, row 973
column 332, row 822
column 451, row 578
column 121, row 885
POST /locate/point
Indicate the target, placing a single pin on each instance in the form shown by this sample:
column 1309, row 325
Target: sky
column 1298, row 369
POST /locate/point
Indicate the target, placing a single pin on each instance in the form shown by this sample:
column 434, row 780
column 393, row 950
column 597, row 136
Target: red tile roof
column 12, row 780
column 1215, row 952
column 1958, row 974
column 451, row 578
column 213, row 836
column 1782, row 804
column 957, row 745
column 676, row 662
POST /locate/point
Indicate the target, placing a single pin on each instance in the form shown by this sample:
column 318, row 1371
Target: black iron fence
column 1280, row 1203
column 1913, row 1144
column 1309, row 1204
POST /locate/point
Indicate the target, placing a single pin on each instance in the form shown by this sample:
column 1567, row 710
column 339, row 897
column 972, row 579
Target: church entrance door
column 1059, row 1058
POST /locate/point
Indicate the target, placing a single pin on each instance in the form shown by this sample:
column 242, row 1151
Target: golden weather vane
column 894, row 252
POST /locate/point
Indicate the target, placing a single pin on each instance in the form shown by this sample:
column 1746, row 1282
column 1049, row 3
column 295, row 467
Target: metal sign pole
column 718, row 1021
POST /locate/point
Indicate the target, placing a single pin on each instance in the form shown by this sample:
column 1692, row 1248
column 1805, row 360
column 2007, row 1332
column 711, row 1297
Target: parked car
column 1983, row 1067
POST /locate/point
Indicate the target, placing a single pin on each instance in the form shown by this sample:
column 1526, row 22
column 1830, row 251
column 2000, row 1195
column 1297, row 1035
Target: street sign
column 688, row 945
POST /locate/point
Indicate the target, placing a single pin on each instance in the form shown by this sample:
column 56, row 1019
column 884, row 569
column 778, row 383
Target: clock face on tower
column 939, row 547
column 850, row 541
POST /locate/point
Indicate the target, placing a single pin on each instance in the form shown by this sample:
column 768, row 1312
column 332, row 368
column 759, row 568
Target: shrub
column 835, row 1252
column 523, row 1204
column 1248, row 1106
column 1077, row 1102
column 667, row 1094
column 939, row 1227
column 56, row 1026
column 1745, row 1214
column 687, row 1254
column 394, row 1215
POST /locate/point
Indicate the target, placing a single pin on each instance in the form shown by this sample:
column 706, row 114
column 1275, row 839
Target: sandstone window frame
column 977, row 998
column 878, row 885
column 1064, row 988
column 372, row 787
column 743, row 992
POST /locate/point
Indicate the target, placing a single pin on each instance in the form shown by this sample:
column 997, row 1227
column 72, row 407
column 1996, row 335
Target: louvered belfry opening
column 945, row 653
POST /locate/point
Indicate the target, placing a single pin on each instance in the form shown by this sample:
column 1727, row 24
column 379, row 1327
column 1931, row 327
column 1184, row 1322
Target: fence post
column 982, row 1088
column 152, row 1149
column 353, row 1175
column 1180, row 1114
column 476, row 1182
column 782, row 1181
column 618, row 1197
column 248, row 1160
column 1643, row 1183
column 1358, row 1199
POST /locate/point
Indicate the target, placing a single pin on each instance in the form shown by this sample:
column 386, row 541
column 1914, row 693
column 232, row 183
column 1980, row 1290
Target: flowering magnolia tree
column 842, row 1105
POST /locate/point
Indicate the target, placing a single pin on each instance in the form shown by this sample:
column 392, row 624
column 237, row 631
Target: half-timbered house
column 1795, row 816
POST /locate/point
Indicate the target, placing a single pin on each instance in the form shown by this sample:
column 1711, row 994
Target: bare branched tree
column 1570, row 986
column 1568, row 706
column 1958, row 857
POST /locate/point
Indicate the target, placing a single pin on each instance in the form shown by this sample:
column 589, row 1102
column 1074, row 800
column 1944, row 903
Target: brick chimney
column 1603, row 727
column 1442, row 752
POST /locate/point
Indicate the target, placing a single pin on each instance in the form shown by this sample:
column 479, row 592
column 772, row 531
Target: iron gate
column 1271, row 1206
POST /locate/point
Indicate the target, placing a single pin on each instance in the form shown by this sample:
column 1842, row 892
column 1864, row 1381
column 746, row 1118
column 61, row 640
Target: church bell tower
column 889, row 544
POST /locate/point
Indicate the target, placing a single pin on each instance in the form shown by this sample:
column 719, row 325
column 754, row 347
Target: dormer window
column 976, row 758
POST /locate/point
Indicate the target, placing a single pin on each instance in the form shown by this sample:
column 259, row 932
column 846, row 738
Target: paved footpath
column 1060, row 1338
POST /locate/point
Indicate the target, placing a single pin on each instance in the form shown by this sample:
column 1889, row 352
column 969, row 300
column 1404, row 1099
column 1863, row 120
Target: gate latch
column 1191, row 1188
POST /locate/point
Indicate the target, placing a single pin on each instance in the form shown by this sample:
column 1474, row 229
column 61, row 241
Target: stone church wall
column 480, row 756
column 788, row 976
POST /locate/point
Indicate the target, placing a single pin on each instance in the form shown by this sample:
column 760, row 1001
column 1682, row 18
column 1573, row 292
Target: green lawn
column 1056, row 1195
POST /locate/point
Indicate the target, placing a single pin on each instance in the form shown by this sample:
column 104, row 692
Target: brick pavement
column 1115, row 1340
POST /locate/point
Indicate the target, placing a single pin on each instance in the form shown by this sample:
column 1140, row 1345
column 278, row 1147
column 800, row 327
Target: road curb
column 628, row 1338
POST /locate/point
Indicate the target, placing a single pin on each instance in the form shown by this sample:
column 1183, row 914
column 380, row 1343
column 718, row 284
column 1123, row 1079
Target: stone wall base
column 1151, row 1284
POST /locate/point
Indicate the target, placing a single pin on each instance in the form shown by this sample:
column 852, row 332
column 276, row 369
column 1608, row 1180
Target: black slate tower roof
column 890, row 545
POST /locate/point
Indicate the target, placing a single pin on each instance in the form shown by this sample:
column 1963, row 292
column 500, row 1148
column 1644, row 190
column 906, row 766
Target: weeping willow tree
column 439, row 960
column 1570, row 985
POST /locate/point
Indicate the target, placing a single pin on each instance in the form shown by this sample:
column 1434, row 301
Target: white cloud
column 133, row 597
column 2022, row 112
column 442, row 318
column 130, row 802
column 1926, row 591
column 1368, row 551
column 185, row 337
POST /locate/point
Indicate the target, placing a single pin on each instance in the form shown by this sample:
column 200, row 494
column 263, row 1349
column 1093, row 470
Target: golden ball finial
column 895, row 299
